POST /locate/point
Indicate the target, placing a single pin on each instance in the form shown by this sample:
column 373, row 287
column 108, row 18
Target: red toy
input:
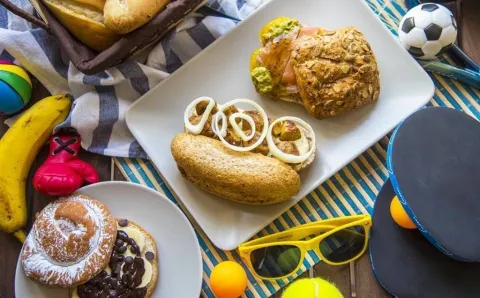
column 63, row 172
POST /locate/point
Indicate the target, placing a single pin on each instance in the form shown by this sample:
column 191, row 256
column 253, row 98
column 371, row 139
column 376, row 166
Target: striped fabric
column 351, row 191
column 101, row 100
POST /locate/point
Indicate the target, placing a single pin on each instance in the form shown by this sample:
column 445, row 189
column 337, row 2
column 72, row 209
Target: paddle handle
column 465, row 75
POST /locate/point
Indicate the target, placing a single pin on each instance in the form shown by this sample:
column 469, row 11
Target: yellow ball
column 400, row 216
column 228, row 280
column 312, row 288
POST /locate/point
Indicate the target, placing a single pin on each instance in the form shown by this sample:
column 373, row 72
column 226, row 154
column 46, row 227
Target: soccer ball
column 428, row 30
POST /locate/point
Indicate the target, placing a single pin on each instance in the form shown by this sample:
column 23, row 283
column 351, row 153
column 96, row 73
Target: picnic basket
column 89, row 61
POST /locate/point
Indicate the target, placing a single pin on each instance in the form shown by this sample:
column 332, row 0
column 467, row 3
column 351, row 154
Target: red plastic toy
column 63, row 172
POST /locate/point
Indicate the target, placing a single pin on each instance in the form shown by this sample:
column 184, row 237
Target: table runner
column 350, row 191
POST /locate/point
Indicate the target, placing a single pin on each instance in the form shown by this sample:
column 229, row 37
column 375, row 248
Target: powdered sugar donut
column 70, row 242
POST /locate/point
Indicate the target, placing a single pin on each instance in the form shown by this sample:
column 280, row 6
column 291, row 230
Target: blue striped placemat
column 351, row 191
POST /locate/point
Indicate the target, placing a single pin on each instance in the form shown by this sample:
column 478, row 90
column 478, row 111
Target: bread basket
column 89, row 61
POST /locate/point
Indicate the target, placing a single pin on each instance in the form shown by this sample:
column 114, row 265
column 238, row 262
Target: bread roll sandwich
column 132, row 270
column 242, row 155
column 85, row 20
column 329, row 72
column 124, row 16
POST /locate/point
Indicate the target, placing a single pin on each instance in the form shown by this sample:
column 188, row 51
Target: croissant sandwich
column 242, row 155
column 329, row 72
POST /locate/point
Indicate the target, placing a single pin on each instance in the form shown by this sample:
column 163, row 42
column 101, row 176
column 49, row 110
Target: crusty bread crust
column 85, row 21
column 343, row 64
column 243, row 177
column 124, row 16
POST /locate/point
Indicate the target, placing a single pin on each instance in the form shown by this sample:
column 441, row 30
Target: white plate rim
column 134, row 131
column 161, row 196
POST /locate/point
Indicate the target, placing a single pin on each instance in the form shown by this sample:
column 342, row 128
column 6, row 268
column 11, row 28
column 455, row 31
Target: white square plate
column 222, row 72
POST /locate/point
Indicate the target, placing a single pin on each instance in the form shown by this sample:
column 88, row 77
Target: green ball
column 312, row 288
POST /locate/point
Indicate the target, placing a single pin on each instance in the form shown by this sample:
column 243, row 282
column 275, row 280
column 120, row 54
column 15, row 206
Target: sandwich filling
column 272, row 71
column 129, row 271
column 288, row 139
column 278, row 27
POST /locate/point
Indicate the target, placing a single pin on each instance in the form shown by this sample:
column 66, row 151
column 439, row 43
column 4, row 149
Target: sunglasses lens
column 343, row 245
column 275, row 261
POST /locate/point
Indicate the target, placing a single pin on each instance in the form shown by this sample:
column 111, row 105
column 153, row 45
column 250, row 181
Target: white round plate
column 180, row 261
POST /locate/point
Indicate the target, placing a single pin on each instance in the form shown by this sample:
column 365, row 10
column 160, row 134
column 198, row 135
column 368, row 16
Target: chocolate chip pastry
column 329, row 72
column 133, row 268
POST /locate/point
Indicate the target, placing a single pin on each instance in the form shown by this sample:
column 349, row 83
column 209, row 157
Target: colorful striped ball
column 15, row 88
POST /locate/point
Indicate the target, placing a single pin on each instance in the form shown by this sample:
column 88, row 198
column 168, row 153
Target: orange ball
column 228, row 280
column 400, row 216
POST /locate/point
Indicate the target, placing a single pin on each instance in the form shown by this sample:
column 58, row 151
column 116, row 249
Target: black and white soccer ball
column 428, row 30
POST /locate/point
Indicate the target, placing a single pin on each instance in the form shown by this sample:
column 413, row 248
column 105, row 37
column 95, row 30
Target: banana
column 147, row 276
column 18, row 149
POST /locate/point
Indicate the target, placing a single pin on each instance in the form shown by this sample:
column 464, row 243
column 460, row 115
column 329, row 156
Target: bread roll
column 124, row 16
column 243, row 177
column 84, row 19
column 341, row 62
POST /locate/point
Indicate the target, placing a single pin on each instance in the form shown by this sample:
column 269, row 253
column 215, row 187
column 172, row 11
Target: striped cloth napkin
column 101, row 100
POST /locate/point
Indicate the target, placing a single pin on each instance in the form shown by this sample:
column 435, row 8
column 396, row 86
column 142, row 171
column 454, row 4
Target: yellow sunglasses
column 336, row 241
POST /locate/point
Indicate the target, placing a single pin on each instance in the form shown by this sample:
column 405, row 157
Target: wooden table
column 366, row 285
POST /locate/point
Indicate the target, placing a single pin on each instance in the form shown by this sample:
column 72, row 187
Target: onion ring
column 285, row 157
column 265, row 124
column 237, row 128
column 223, row 130
column 197, row 129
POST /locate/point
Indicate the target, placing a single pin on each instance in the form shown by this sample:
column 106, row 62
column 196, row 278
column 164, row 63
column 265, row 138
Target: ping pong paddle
column 433, row 159
column 407, row 265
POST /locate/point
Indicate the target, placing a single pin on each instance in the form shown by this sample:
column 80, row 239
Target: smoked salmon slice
column 288, row 77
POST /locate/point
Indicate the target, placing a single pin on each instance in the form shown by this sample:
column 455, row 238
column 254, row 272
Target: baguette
column 242, row 177
column 84, row 19
column 124, row 16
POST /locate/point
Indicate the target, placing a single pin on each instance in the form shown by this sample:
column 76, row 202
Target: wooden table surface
column 366, row 285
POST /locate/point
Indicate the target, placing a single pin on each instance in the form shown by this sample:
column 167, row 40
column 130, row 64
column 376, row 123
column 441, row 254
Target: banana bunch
column 18, row 149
